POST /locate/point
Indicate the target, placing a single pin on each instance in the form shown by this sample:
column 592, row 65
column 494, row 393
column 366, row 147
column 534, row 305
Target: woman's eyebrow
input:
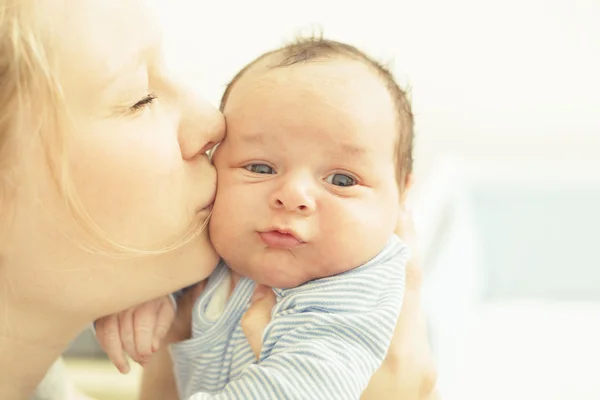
column 117, row 71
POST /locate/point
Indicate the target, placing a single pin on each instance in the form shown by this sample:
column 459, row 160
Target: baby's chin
column 280, row 268
column 283, row 277
column 273, row 277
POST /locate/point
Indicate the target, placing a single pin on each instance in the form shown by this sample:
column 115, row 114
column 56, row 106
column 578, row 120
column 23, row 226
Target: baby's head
column 317, row 154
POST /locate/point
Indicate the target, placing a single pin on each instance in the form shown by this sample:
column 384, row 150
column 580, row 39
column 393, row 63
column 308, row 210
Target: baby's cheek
column 215, row 222
column 222, row 224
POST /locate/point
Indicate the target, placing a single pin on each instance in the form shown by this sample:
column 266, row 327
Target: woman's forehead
column 99, row 40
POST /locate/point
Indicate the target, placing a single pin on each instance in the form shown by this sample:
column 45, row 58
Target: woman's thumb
column 258, row 317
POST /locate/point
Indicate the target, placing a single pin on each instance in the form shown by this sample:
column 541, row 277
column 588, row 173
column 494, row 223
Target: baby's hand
column 136, row 331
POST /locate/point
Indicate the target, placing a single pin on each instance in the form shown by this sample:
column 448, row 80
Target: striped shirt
column 325, row 340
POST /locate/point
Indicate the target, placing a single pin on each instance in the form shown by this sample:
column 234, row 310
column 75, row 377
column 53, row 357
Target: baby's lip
column 285, row 231
column 281, row 238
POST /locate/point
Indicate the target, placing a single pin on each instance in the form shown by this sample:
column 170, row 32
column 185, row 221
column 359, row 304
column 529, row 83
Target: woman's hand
column 408, row 372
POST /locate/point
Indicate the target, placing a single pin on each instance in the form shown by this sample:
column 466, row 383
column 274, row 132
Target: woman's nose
column 201, row 127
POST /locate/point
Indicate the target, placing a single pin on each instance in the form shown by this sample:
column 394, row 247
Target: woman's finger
column 409, row 363
column 410, row 345
column 258, row 316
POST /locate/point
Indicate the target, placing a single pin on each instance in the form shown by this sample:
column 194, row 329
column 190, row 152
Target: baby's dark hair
column 316, row 48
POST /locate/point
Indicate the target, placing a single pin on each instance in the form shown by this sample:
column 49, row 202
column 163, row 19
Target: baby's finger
column 144, row 320
column 166, row 315
column 127, row 333
column 107, row 331
column 258, row 316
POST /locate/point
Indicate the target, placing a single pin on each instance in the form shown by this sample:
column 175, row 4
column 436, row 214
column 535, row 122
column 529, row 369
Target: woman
column 104, row 181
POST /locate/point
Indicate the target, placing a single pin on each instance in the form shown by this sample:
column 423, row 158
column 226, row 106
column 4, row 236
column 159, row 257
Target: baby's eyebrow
column 345, row 148
column 253, row 137
column 352, row 149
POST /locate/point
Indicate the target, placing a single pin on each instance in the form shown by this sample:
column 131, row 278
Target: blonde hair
column 31, row 100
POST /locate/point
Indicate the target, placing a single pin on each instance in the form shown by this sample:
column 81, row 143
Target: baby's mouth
column 280, row 239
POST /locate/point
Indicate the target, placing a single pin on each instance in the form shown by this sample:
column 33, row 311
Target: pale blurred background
column 506, row 99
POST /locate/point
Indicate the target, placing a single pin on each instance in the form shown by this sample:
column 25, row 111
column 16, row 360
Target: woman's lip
column 208, row 146
column 204, row 213
column 281, row 240
column 207, row 208
column 208, row 205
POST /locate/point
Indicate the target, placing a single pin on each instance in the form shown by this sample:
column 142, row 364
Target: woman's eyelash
column 145, row 102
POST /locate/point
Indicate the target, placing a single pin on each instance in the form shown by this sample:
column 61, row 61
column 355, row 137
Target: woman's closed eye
column 341, row 180
column 260, row 169
column 143, row 103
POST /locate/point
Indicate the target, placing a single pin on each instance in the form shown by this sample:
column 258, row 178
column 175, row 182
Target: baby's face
column 306, row 174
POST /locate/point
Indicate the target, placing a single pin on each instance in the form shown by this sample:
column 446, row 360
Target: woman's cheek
column 128, row 187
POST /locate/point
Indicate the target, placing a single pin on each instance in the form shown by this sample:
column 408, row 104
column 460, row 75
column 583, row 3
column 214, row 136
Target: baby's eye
column 340, row 180
column 260, row 169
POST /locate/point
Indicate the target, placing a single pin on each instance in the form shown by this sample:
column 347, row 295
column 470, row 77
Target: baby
column 310, row 179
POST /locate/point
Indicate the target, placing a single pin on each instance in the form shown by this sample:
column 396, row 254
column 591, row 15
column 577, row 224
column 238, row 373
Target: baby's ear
column 408, row 181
